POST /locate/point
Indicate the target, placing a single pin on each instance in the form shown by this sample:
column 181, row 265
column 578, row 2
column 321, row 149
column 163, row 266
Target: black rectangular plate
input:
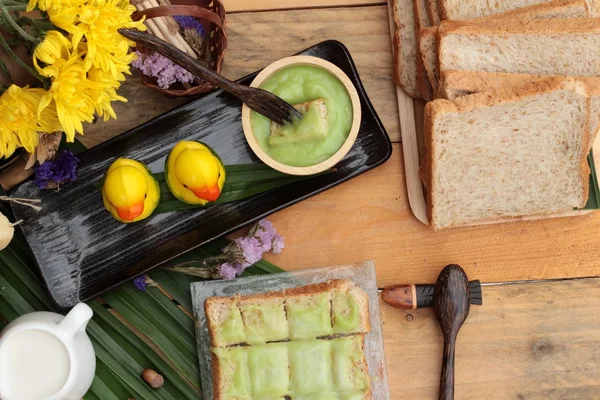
column 82, row 251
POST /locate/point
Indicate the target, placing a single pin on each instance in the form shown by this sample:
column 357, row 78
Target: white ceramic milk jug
column 47, row 356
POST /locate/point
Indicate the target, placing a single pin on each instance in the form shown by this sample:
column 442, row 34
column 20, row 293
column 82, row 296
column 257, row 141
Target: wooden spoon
column 259, row 100
column 451, row 304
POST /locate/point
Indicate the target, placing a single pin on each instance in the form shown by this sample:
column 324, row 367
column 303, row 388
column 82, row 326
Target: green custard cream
column 327, row 116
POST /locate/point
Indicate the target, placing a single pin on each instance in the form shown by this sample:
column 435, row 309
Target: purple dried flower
column 164, row 70
column 187, row 22
column 278, row 244
column 228, row 270
column 140, row 282
column 251, row 250
column 52, row 174
column 265, row 232
column 143, row 281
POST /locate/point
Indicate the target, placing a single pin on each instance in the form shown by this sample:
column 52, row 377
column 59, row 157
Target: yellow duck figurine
column 130, row 192
column 194, row 173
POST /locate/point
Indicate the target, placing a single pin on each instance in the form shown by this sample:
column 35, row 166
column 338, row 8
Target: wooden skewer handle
column 409, row 297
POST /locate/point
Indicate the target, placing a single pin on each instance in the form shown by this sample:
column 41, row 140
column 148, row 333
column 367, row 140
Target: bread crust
column 488, row 99
column 545, row 10
column 215, row 369
column 431, row 70
column 433, row 10
column 507, row 26
column 410, row 85
column 422, row 21
column 347, row 286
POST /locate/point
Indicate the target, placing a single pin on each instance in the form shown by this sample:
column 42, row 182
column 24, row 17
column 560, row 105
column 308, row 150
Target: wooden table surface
column 529, row 340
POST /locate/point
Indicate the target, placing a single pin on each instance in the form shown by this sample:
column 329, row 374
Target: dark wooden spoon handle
column 447, row 377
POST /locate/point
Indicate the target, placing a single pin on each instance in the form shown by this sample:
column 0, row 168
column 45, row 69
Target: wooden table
column 529, row 340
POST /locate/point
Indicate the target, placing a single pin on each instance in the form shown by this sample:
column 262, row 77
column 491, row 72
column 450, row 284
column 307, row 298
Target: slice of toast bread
column 455, row 84
column 428, row 50
column 507, row 153
column 468, row 9
column 422, row 21
column 405, row 47
column 534, row 46
column 554, row 9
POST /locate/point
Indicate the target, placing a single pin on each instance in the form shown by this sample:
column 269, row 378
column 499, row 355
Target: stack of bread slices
column 513, row 94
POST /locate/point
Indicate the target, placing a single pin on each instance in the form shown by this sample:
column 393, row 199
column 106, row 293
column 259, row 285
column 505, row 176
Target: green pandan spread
column 304, row 143
column 310, row 318
column 269, row 370
column 349, row 373
column 234, row 364
column 346, row 316
column 310, row 366
column 320, row 396
column 232, row 330
column 265, row 323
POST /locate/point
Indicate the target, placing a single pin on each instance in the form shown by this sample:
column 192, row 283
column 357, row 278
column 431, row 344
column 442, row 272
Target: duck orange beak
column 209, row 194
column 129, row 214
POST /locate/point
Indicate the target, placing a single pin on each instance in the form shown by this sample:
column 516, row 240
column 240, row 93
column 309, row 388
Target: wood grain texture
column 528, row 342
column 369, row 218
column 262, row 5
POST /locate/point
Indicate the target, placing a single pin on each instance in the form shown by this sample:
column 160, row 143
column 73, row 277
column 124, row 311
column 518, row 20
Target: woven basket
column 211, row 14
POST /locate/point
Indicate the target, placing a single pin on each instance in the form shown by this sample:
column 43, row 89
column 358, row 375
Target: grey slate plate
column 82, row 251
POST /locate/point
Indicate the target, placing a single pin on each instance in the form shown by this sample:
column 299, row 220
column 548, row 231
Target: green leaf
column 141, row 310
column 75, row 146
column 243, row 181
column 5, row 71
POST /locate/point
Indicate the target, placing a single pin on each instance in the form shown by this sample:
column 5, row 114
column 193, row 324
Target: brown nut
column 153, row 378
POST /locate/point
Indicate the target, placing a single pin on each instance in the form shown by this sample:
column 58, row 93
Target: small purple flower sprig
column 193, row 33
column 236, row 256
column 142, row 282
column 54, row 173
column 164, row 70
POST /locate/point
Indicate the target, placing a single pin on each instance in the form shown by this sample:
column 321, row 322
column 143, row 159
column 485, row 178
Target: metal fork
column 261, row 101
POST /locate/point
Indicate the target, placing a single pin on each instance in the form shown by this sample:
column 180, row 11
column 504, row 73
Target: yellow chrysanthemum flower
column 54, row 46
column 19, row 126
column 46, row 5
column 103, row 92
column 70, row 92
column 98, row 24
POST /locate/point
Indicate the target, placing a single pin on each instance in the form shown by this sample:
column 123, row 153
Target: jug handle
column 76, row 320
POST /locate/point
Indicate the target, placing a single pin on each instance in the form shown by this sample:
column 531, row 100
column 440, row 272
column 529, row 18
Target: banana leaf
column 243, row 181
column 131, row 329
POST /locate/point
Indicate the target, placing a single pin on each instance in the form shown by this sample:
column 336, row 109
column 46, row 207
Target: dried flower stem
column 25, row 202
column 206, row 273
column 11, row 53
column 16, row 26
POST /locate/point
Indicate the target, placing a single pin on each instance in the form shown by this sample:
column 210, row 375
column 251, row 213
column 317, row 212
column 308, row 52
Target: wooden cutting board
column 411, row 130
